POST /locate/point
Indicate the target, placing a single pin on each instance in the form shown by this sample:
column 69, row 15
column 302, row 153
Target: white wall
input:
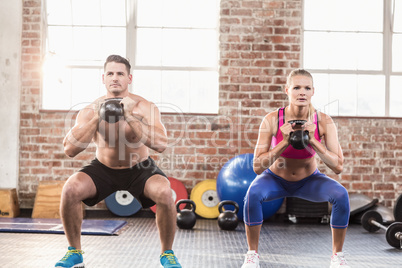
column 10, row 86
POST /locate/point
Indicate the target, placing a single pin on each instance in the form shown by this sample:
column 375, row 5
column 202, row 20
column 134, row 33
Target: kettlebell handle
column 112, row 99
column 297, row 122
column 228, row 202
column 185, row 201
column 292, row 132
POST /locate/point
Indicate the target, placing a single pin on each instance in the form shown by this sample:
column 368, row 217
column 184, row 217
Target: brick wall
column 260, row 44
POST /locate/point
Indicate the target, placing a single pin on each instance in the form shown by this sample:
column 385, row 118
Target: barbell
column 372, row 222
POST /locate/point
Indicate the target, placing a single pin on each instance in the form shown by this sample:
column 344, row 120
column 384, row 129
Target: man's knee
column 75, row 189
column 164, row 196
column 158, row 190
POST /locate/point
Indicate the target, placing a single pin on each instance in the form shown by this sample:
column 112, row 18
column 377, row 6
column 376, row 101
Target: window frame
column 131, row 50
column 387, row 57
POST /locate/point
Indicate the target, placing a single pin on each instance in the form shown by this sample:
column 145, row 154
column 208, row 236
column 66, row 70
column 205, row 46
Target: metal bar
column 373, row 222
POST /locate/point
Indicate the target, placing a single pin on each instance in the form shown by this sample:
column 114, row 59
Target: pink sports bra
column 291, row 152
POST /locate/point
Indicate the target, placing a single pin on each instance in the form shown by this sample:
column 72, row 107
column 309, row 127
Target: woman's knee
column 341, row 199
column 254, row 195
column 252, row 210
column 252, row 202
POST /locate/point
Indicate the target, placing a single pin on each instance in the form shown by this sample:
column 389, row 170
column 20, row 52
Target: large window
column 353, row 50
column 172, row 47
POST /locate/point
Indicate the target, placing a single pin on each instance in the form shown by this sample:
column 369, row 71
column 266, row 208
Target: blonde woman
column 285, row 171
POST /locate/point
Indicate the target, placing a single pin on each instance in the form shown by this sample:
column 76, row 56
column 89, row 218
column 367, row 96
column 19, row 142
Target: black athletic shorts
column 108, row 180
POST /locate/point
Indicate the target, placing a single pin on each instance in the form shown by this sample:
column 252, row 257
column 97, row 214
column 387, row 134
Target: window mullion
column 131, row 30
column 387, row 53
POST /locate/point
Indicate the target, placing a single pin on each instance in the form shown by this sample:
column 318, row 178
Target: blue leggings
column 316, row 188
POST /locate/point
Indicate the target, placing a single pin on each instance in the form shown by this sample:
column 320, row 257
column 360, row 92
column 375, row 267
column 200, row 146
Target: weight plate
column 398, row 209
column 386, row 213
column 360, row 203
column 124, row 198
column 206, row 199
column 122, row 203
column 393, row 229
column 368, row 217
column 179, row 191
column 210, row 198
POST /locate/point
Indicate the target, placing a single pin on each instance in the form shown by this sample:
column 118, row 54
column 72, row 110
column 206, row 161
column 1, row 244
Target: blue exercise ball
column 234, row 180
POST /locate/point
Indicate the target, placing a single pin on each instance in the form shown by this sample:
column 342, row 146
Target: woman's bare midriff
column 294, row 169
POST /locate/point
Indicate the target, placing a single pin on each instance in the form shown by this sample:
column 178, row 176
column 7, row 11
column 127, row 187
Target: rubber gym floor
column 282, row 244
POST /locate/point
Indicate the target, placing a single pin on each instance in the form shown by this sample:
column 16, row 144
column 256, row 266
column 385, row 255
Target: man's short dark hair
column 118, row 59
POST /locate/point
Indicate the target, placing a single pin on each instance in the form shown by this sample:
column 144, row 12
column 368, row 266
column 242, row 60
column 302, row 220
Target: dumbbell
column 372, row 222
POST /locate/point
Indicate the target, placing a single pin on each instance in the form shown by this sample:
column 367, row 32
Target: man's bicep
column 83, row 117
column 152, row 116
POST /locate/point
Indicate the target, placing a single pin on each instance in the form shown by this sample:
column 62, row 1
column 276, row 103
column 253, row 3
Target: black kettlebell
column 185, row 218
column 111, row 110
column 227, row 219
column 299, row 139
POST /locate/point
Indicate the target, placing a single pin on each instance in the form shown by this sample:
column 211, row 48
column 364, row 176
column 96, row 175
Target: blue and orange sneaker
column 72, row 259
column 169, row 260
